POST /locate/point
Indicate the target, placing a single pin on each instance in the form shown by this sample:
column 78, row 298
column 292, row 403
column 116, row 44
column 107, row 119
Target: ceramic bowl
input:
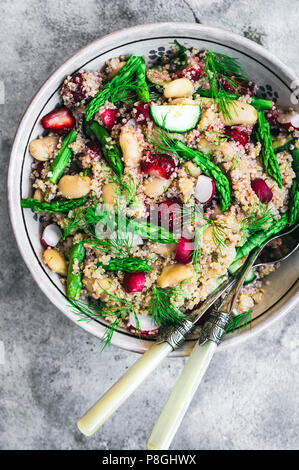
column 274, row 80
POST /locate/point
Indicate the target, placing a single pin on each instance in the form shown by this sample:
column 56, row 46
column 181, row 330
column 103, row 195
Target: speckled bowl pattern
column 274, row 80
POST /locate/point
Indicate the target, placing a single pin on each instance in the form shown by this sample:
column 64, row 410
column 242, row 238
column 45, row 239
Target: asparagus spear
column 74, row 276
column 294, row 195
column 260, row 237
column 55, row 206
column 128, row 264
column 110, row 151
column 63, row 157
column 211, row 170
column 267, row 155
column 258, row 103
column 142, row 88
column 114, row 90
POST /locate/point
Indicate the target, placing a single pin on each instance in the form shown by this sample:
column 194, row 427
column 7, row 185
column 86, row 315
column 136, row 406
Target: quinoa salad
column 155, row 181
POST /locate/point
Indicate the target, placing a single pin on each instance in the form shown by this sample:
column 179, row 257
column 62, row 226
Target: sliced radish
column 205, row 189
column 184, row 251
column 262, row 190
column 142, row 323
column 289, row 121
column 134, row 282
column 51, row 235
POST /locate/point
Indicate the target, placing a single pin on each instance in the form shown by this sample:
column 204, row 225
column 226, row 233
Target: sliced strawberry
column 109, row 117
column 143, row 113
column 60, row 120
column 238, row 136
column 184, row 251
column 162, row 166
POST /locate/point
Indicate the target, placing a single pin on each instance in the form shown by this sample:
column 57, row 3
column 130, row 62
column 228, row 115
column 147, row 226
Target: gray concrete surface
column 53, row 370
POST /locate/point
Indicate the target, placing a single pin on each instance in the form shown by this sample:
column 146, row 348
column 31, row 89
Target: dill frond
column 219, row 67
column 161, row 308
column 240, row 321
column 114, row 307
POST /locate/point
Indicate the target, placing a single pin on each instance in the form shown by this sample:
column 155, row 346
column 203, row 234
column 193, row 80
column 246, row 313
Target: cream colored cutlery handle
column 122, row 389
column 181, row 396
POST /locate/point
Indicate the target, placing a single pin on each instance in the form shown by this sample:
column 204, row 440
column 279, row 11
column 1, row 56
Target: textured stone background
column 54, row 370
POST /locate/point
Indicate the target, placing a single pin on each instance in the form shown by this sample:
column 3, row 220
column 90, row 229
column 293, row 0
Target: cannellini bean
column 179, row 88
column 55, row 261
column 186, row 186
column 208, row 235
column 41, row 149
column 38, row 195
column 74, row 186
column 156, row 186
column 165, row 249
column 182, row 101
column 116, row 67
column 241, row 114
column 97, row 287
column 173, row 274
column 192, row 169
column 130, row 147
column 110, row 193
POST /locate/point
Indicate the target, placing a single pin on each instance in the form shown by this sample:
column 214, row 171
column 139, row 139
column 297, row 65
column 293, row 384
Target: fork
column 211, row 335
column 170, row 339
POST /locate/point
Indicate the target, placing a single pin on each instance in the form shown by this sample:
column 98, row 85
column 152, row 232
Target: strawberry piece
column 60, row 120
column 184, row 251
column 134, row 282
column 143, row 113
column 162, row 166
column 238, row 136
column 109, row 117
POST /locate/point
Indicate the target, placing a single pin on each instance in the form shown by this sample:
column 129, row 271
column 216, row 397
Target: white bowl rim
column 282, row 306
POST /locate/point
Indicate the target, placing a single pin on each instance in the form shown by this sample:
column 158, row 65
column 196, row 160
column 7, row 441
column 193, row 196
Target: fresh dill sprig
column 221, row 138
column 116, row 308
column 240, row 321
column 196, row 255
column 220, row 67
column 126, row 189
column 257, row 219
column 236, row 161
column 161, row 308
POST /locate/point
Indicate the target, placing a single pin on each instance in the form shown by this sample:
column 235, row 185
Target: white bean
column 130, row 147
column 42, row 148
column 240, row 114
column 74, row 187
column 173, row 274
column 55, row 261
column 179, row 88
column 156, row 186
